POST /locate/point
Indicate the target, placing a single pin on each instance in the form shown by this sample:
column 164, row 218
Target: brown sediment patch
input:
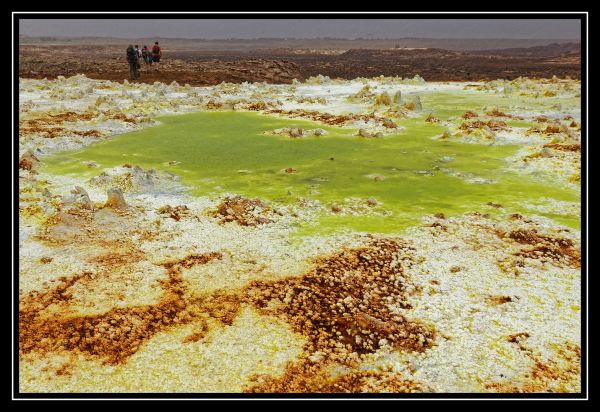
column 244, row 211
column 495, row 125
column 86, row 133
column 52, row 132
column 347, row 306
column 256, row 106
column 350, row 303
column 31, row 210
column 469, row 115
column 49, row 125
column 432, row 119
column 212, row 104
column 28, row 161
column 312, row 100
column 390, row 124
column 516, row 216
column 42, row 130
column 559, row 374
column 46, row 119
column 128, row 256
column 496, row 205
column 316, row 378
column 510, row 266
column 221, row 306
column 438, row 225
column 176, row 212
column 498, row 300
column 38, row 301
column 328, row 118
column 189, row 261
column 564, row 147
column 559, row 250
column 113, row 336
column 498, row 113
column 517, row 337
column 120, row 116
column 552, row 129
column 119, row 333
column 66, row 369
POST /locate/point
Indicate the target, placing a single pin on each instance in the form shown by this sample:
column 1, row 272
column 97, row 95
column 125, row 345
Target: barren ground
column 201, row 66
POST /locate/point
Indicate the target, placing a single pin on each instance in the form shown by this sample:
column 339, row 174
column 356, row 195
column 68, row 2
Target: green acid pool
column 221, row 152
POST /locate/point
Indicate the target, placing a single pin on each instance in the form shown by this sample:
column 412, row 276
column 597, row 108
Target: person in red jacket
column 156, row 54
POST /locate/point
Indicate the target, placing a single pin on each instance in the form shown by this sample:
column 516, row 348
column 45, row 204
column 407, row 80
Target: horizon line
column 302, row 38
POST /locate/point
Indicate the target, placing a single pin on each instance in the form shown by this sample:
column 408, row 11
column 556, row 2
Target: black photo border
column 17, row 15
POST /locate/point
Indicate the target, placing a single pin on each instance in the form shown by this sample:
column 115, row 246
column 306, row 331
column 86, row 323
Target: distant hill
column 550, row 50
column 479, row 45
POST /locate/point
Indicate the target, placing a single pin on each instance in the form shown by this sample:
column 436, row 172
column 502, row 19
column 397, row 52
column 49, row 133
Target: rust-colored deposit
column 347, row 306
column 495, row 125
column 119, row 333
column 350, row 304
column 244, row 211
column 327, row 118
column 563, row 147
column 544, row 247
column 175, row 213
column 50, row 124
column 498, row 113
column 317, row 378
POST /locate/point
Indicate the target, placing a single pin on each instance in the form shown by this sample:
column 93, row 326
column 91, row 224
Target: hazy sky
column 306, row 28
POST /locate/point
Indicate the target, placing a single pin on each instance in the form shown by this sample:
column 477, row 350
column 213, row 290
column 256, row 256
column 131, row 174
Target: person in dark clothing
column 132, row 59
column 145, row 55
column 156, row 55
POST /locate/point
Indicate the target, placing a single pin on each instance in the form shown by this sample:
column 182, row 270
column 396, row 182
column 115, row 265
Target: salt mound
column 296, row 132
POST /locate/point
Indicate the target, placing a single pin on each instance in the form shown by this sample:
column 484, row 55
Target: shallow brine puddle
column 409, row 174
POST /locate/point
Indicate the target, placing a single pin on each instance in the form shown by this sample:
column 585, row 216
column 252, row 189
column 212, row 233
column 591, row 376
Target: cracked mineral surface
column 368, row 235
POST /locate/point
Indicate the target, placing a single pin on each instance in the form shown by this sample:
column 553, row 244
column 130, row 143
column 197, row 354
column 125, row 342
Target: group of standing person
column 146, row 56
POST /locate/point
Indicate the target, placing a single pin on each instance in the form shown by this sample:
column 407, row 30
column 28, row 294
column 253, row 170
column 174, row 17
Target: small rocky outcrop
column 297, row 132
column 115, row 199
column 244, row 211
column 366, row 133
column 388, row 123
column 397, row 97
column 175, row 213
column 28, row 161
column 80, row 199
column 418, row 105
column 383, row 99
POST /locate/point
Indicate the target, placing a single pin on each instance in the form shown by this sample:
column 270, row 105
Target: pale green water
column 213, row 147
column 455, row 103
